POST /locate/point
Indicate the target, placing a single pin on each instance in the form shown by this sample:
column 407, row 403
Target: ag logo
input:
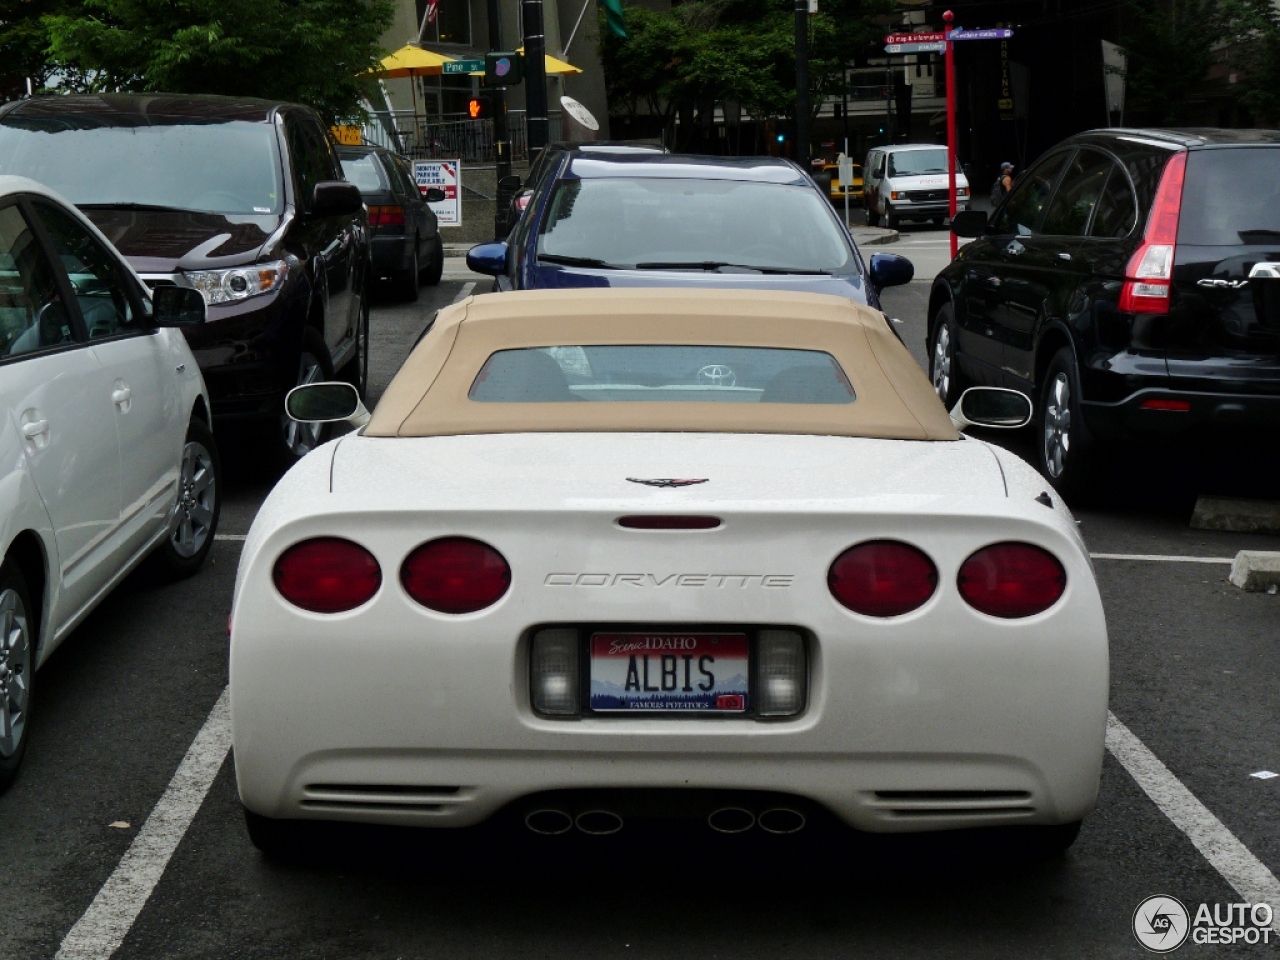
column 1161, row 924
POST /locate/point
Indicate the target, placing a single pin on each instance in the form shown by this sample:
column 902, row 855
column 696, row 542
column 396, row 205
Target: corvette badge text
column 1162, row 924
column 720, row 581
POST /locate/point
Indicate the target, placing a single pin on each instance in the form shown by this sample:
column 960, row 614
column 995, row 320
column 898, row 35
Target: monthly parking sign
column 447, row 175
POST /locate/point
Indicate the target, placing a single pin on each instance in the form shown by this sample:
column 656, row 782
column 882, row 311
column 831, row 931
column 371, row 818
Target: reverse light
column 455, row 575
column 239, row 283
column 386, row 216
column 327, row 575
column 882, row 578
column 554, row 665
column 1149, row 274
column 1012, row 580
column 781, row 673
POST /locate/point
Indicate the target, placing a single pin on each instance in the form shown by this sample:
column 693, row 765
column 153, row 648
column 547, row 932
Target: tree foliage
column 704, row 52
column 309, row 51
column 1253, row 27
column 1170, row 46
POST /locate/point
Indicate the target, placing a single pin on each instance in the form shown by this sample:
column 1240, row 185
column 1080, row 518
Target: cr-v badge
column 1216, row 283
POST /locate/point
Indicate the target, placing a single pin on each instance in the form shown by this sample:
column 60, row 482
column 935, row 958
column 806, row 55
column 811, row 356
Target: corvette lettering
column 741, row 581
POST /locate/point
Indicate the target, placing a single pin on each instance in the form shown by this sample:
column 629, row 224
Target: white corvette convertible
column 596, row 549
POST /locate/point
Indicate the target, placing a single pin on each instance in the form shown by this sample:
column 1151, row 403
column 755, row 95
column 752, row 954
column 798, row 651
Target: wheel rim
column 942, row 363
column 302, row 438
column 197, row 500
column 1057, row 425
column 15, row 671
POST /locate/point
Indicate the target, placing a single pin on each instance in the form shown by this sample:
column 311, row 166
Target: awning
column 411, row 61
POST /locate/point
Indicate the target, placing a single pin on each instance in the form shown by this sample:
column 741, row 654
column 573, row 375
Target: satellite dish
column 580, row 113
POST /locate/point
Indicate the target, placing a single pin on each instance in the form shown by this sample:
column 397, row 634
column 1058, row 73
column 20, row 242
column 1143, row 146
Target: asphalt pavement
column 119, row 705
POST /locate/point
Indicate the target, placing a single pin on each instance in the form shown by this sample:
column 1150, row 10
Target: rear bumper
column 1205, row 412
column 390, row 254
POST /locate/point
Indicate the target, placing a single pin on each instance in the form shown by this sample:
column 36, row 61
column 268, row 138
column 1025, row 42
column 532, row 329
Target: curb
column 1257, row 571
column 1236, row 516
column 458, row 249
column 889, row 236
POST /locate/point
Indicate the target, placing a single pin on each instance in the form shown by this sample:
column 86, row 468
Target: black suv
column 243, row 200
column 1130, row 282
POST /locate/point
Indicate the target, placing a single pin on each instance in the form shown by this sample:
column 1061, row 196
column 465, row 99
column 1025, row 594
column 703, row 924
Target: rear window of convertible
column 698, row 374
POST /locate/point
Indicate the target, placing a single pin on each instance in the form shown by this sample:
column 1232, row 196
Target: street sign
column 463, row 66
column 996, row 34
column 447, row 176
column 895, row 38
column 916, row 48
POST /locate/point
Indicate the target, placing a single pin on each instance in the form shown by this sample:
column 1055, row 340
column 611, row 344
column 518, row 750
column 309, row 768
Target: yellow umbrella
column 554, row 67
column 411, row 61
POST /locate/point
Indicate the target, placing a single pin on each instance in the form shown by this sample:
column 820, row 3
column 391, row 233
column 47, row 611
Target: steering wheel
column 52, row 326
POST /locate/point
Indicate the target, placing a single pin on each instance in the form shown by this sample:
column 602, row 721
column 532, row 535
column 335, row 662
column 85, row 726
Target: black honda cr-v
column 245, row 201
column 1130, row 282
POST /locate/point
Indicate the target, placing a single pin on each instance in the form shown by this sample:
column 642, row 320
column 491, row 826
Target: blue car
column 666, row 220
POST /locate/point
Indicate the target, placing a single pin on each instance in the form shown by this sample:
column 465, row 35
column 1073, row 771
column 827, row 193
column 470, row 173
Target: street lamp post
column 501, row 132
column 950, row 54
column 535, row 73
column 802, row 83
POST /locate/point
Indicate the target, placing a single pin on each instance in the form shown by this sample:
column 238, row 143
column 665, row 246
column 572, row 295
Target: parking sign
column 447, row 176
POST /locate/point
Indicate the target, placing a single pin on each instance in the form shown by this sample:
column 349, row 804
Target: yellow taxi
column 838, row 189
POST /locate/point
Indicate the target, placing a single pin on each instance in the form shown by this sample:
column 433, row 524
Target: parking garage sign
column 447, row 176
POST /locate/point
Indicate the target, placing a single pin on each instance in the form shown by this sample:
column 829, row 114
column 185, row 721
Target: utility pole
column 535, row 72
column 802, row 84
column 501, row 132
column 888, row 99
column 950, row 54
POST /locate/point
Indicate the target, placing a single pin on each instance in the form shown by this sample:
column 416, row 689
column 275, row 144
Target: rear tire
column 281, row 840
column 891, row 222
column 406, row 281
column 938, row 221
column 1065, row 450
column 436, row 270
column 195, row 518
column 17, row 669
column 949, row 382
column 873, row 217
column 1045, row 842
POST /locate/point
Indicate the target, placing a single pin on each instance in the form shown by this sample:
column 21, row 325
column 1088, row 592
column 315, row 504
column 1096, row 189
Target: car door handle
column 121, row 395
column 36, row 428
column 1064, row 256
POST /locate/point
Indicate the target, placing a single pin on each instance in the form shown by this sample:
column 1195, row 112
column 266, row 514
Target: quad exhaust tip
column 781, row 820
column 548, row 823
column 731, row 820
column 598, row 823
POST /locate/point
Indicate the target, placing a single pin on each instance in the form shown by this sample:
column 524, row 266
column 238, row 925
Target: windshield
column 653, row 223
column 1232, row 197
column 365, row 172
column 684, row 374
column 230, row 167
column 915, row 163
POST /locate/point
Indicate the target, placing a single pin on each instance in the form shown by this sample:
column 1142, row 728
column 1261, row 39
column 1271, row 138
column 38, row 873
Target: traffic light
column 504, row 69
column 479, row 108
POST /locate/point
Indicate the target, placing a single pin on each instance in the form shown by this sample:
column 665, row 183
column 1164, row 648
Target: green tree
column 24, row 38
column 1253, row 31
column 310, row 51
column 1170, row 45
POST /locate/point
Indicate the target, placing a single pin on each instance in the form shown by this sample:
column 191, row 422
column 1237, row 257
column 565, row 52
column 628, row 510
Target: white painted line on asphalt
column 99, row 933
column 1247, row 875
column 1159, row 558
column 465, row 291
column 229, row 536
column 1265, row 775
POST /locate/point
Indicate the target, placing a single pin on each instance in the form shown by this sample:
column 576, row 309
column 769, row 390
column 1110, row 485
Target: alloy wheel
column 942, row 358
column 197, row 497
column 302, row 438
column 1057, row 425
column 15, row 671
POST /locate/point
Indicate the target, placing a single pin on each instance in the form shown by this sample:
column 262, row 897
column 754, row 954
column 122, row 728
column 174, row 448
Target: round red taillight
column 327, row 575
column 882, row 578
column 1012, row 580
column 455, row 575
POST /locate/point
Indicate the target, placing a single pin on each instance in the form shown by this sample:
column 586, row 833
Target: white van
column 908, row 181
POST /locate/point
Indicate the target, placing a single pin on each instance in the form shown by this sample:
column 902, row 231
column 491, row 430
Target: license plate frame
column 624, row 668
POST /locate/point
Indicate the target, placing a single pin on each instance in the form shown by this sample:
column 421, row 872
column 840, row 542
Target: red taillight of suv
column 455, row 575
column 1012, row 580
column 327, row 575
column 386, row 216
column 1149, row 275
column 882, row 578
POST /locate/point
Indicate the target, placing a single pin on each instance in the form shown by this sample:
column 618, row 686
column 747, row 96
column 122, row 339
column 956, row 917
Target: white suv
column 909, row 182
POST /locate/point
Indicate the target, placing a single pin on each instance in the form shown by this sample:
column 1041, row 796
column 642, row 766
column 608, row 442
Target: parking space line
column 1160, row 558
column 1247, row 875
column 103, row 927
column 238, row 537
column 464, row 292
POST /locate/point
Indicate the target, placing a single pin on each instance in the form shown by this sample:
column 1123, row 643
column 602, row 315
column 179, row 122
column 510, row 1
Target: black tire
column 17, row 667
column 295, row 440
column 406, row 281
column 282, row 840
column 356, row 370
column 1064, row 448
column 873, row 216
column 434, row 272
column 939, row 221
column 891, row 222
column 949, row 382
column 195, row 519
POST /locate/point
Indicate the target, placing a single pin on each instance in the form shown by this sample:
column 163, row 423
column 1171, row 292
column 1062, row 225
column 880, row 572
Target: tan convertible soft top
column 428, row 397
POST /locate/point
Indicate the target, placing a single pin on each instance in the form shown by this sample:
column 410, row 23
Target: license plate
column 669, row 672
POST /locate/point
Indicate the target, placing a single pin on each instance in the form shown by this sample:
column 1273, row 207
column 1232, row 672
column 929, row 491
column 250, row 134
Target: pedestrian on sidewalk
column 1000, row 189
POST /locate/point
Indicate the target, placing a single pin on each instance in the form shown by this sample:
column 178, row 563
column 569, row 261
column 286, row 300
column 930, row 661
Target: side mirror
column 433, row 195
column 890, row 270
column 326, row 403
column 993, row 407
column 488, row 258
column 511, row 183
column 333, row 198
column 969, row 223
column 177, row 306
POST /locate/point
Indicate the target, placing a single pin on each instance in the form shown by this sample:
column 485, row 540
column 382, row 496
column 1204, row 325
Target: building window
column 452, row 23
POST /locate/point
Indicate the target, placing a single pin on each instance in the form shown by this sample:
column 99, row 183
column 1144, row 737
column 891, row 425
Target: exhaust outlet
column 781, row 820
column 731, row 820
column 548, row 823
column 599, row 823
